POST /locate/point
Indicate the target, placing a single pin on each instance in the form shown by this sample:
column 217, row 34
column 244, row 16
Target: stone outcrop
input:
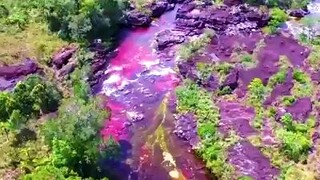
column 232, row 79
column 135, row 18
column 158, row 8
column 63, row 56
column 168, row 38
column 11, row 74
column 185, row 128
column 298, row 13
column 232, row 2
column 229, row 20
column 17, row 70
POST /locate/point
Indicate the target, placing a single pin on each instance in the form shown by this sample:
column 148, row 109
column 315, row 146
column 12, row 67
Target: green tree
column 74, row 137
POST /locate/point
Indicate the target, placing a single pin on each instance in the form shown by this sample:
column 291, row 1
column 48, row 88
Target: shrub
column 257, row 91
column 278, row 78
column 195, row 45
column 278, row 17
column 248, row 61
column 295, row 144
column 288, row 100
column 300, row 76
column 74, row 137
column 295, row 137
column 30, row 98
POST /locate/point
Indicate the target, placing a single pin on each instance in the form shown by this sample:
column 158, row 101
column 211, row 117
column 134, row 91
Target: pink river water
column 138, row 87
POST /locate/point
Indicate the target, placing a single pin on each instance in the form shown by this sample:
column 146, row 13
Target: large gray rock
column 62, row 57
column 136, row 18
column 158, row 8
column 223, row 19
column 232, row 2
column 298, row 13
column 17, row 70
column 168, row 38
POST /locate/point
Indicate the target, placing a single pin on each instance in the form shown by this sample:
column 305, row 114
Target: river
column 139, row 86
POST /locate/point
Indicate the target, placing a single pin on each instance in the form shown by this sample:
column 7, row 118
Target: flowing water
column 139, row 86
column 295, row 27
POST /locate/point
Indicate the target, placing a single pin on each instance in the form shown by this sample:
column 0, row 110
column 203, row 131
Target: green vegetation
column 303, row 86
column 67, row 146
column 288, row 4
column 278, row 17
column 189, row 49
column 248, row 61
column 213, row 148
column 35, row 28
column 314, row 58
column 295, row 137
column 220, row 69
column 71, row 19
column 257, row 92
column 29, row 99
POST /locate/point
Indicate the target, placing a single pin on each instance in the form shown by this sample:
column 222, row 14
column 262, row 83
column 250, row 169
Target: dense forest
column 51, row 120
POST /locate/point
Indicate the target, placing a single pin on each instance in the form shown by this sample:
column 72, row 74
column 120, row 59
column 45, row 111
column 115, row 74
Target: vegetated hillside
column 50, row 122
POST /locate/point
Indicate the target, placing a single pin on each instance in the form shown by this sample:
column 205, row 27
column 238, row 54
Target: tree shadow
column 115, row 167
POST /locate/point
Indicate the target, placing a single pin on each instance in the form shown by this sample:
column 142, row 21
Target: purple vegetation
column 224, row 45
column 232, row 79
column 249, row 161
column 300, row 109
column 232, row 2
column 230, row 20
column 237, row 117
column 186, row 128
column 268, row 136
column 269, row 56
column 282, row 89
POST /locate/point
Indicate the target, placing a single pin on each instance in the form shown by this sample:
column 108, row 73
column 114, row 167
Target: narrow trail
column 138, row 86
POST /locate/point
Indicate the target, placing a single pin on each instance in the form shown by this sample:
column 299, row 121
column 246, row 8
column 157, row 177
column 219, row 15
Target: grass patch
column 34, row 42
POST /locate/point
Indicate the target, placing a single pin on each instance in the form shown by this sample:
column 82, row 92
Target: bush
column 195, row 45
column 74, row 137
column 257, row 91
column 295, row 144
column 295, row 137
column 300, row 76
column 30, row 98
column 278, row 78
column 278, row 17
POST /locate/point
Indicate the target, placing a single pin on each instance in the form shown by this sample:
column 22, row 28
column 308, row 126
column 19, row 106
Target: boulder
column 170, row 7
column 298, row 13
column 211, row 83
column 136, row 18
column 67, row 69
column 186, row 128
column 232, row 2
column 168, row 38
column 62, row 57
column 158, row 8
column 15, row 71
column 223, row 19
column 232, row 79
